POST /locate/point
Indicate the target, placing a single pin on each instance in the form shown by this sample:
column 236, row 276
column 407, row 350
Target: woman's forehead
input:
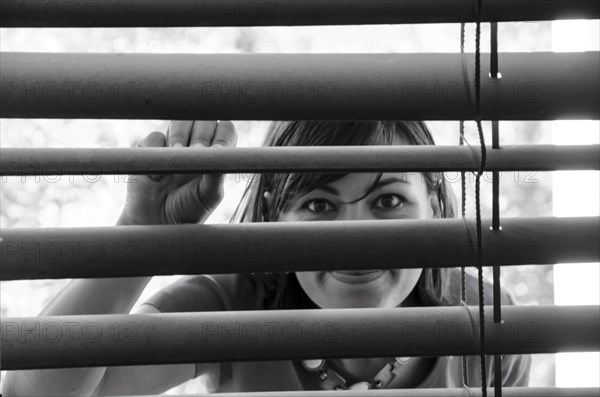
column 397, row 139
column 367, row 179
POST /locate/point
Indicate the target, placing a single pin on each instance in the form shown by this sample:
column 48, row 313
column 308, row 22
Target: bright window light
column 575, row 193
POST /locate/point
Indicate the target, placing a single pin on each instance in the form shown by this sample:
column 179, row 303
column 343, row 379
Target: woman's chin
column 354, row 302
column 356, row 289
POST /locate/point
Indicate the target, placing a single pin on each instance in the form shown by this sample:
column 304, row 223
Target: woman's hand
column 170, row 198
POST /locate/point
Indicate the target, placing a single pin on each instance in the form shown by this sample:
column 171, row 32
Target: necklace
column 332, row 380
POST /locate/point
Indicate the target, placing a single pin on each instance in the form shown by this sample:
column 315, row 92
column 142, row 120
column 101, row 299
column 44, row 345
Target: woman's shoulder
column 472, row 289
column 217, row 292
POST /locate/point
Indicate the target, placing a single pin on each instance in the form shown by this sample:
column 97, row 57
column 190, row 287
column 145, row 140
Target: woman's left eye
column 390, row 201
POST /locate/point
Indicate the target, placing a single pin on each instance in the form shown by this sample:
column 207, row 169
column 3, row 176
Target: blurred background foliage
column 70, row 201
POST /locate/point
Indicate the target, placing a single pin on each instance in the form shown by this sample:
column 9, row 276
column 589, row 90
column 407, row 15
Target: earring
column 265, row 207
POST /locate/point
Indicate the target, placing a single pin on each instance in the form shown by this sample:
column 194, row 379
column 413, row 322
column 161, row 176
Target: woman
column 280, row 198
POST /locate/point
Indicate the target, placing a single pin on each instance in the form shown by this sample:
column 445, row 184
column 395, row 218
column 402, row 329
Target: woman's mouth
column 356, row 276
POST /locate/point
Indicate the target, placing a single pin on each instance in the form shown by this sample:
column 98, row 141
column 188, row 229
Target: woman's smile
column 356, row 276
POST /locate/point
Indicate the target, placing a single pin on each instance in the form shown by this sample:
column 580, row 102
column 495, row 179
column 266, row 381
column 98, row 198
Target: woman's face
column 397, row 196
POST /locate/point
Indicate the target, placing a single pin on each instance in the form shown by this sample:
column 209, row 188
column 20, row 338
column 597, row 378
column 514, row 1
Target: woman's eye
column 390, row 201
column 317, row 205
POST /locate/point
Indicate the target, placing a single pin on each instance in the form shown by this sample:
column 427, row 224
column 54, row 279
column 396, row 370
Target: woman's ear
column 435, row 204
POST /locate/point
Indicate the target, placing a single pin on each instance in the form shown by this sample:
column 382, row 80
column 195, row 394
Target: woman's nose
column 355, row 212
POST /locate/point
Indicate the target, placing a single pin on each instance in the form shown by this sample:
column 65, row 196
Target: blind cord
column 477, row 194
column 494, row 74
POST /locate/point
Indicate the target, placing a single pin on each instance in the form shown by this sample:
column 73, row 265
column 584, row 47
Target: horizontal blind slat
column 120, row 161
column 124, row 251
column 425, row 392
column 136, row 339
column 166, row 13
column 534, row 86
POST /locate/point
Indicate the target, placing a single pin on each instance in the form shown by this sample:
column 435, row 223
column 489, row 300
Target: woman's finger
column 225, row 134
column 179, row 132
column 154, row 139
column 203, row 133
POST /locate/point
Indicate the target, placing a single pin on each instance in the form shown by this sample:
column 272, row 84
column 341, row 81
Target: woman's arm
column 98, row 381
column 151, row 199
column 79, row 296
column 515, row 370
column 143, row 379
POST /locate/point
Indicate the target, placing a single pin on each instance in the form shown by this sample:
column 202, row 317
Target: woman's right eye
column 317, row 206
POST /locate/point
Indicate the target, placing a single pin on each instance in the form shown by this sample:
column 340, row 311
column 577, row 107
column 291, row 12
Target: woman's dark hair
column 432, row 287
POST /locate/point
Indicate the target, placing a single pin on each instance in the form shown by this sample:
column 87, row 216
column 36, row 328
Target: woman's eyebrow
column 382, row 183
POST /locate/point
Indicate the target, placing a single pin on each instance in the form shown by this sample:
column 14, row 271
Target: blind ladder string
column 463, row 189
column 478, row 194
